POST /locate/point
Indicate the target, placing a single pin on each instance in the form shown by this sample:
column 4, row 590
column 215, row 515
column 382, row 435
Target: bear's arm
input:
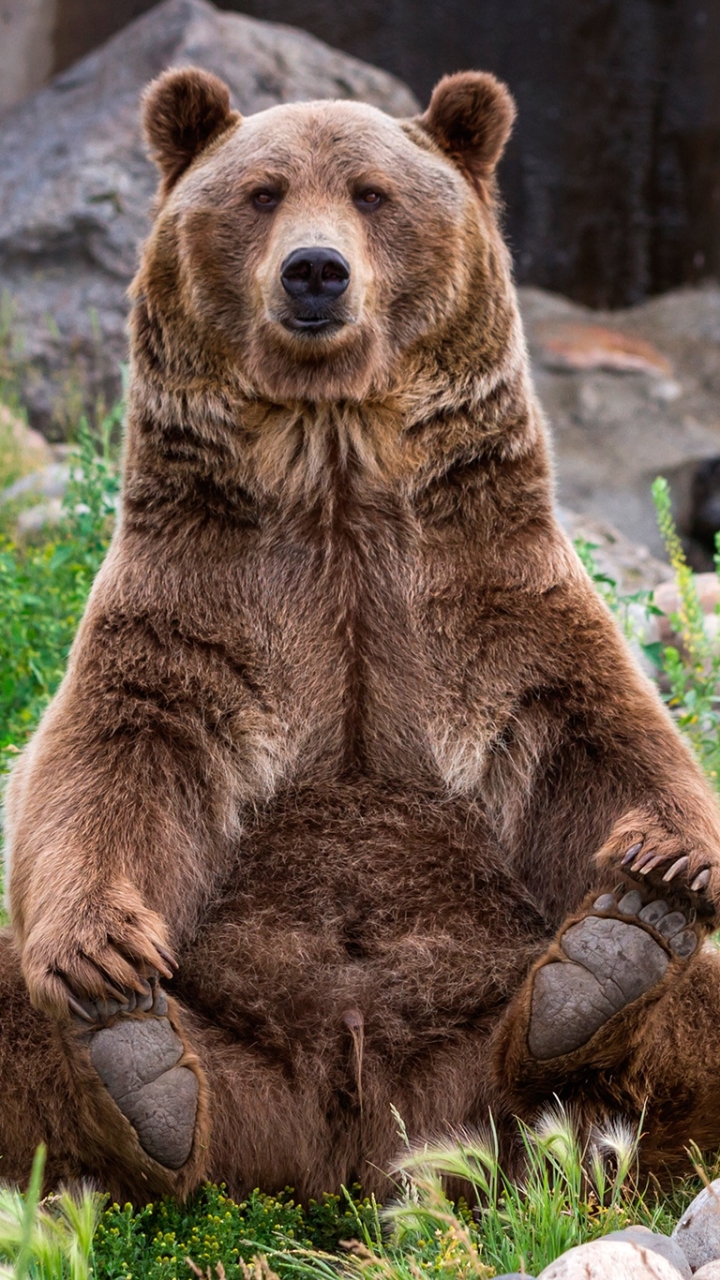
column 591, row 764
column 124, row 809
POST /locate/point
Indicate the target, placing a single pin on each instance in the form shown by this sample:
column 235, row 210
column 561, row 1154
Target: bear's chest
column 377, row 658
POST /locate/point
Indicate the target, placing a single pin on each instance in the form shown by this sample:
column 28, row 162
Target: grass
column 568, row 1195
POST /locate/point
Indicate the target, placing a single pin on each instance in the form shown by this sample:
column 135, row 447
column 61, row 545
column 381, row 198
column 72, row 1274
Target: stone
column 631, row 395
column 711, row 1271
column 43, row 515
column 668, row 1248
column 76, row 184
column 47, row 487
column 575, row 345
column 611, row 1259
column 630, row 565
column 26, row 48
column 49, row 482
column 698, row 1231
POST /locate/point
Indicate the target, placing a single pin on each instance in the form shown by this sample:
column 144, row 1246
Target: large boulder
column 631, row 395
column 75, row 184
column 698, row 1230
column 612, row 1260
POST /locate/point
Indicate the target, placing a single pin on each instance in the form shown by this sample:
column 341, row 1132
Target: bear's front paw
column 142, row 1061
column 97, row 957
column 644, row 853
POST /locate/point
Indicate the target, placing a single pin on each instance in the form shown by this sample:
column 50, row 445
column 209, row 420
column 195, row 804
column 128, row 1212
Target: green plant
column 692, row 668
column 153, row 1242
column 44, row 586
column 689, row 671
column 48, row 1241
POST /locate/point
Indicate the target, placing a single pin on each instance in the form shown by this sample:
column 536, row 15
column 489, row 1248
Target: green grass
column 568, row 1195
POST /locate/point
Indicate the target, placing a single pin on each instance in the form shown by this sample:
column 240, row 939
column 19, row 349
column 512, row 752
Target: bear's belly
column 356, row 901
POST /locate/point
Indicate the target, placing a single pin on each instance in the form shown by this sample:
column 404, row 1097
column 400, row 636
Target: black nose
column 315, row 273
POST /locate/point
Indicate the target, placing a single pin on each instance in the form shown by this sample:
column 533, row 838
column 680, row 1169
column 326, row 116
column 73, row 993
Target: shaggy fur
column 345, row 728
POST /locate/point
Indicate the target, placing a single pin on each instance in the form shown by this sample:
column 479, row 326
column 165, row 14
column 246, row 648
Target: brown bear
column 349, row 753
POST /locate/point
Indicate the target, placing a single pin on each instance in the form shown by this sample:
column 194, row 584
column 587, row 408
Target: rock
column 75, row 182
column 631, row 395
column 22, row 449
column 610, row 1260
column 698, row 1231
column 666, row 597
column 42, row 516
column 630, row 566
column 571, row 344
column 668, row 1248
column 711, row 1271
column 50, row 482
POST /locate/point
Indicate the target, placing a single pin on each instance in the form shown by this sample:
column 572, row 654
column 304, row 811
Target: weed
column 48, row 1241
column 569, row 1193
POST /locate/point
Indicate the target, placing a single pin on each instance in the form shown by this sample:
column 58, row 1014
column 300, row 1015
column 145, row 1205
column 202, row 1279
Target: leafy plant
column 44, row 587
column 568, row 1194
column 693, row 667
column 48, row 1241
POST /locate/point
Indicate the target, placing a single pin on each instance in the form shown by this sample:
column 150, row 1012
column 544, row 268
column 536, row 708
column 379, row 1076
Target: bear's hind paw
column 610, row 959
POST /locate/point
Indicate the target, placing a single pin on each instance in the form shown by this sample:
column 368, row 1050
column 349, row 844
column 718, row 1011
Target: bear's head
column 314, row 246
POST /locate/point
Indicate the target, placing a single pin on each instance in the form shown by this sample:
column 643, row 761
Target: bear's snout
column 313, row 278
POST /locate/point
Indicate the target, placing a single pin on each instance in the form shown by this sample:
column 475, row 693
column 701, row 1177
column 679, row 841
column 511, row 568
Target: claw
column 643, row 859
column 701, row 881
column 677, row 866
column 78, row 1010
column 649, row 866
column 167, row 956
column 632, row 852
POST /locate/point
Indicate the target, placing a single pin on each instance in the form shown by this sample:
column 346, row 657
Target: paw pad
column 610, row 963
column 136, row 1059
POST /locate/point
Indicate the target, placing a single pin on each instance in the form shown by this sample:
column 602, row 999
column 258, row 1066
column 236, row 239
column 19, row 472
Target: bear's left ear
column 183, row 111
column 470, row 118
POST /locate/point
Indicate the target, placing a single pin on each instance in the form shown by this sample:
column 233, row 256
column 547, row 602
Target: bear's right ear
column 184, row 110
column 470, row 118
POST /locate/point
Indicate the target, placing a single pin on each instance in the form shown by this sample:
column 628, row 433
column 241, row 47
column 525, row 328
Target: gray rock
column 629, row 564
column 698, row 1231
column 43, row 515
column 50, row 482
column 647, row 1239
column 75, row 182
column 611, row 1259
column 629, row 395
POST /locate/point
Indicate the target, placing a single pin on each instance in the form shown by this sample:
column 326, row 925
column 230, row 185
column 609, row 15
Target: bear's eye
column 369, row 199
column 265, row 199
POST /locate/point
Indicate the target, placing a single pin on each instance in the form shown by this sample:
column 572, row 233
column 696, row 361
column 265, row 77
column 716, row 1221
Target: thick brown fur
column 345, row 727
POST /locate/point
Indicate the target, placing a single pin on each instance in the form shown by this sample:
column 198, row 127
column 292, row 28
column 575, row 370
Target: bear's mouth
column 312, row 324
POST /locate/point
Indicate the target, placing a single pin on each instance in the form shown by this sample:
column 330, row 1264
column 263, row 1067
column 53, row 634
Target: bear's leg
column 121, row 1100
column 275, row 1119
column 621, row 1013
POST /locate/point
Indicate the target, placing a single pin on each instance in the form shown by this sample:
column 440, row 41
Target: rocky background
column 612, row 179
column 630, row 393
